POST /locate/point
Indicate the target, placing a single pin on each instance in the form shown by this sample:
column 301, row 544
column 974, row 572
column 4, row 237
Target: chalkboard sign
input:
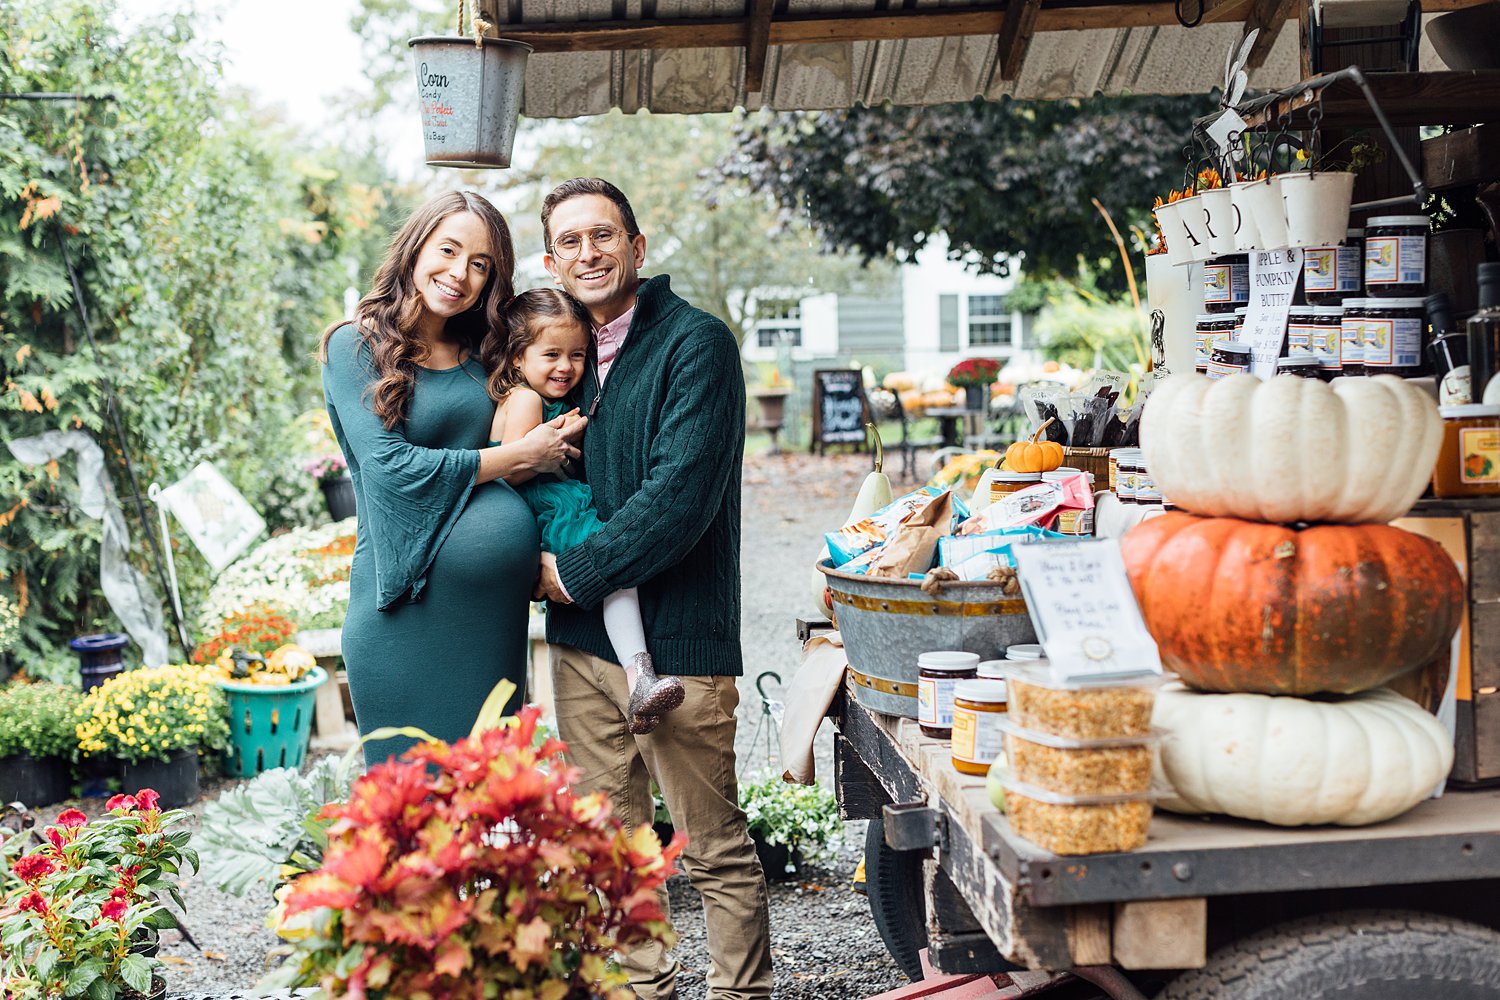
column 840, row 409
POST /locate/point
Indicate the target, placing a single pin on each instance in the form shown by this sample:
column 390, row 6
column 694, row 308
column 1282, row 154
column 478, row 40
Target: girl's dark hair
column 387, row 317
column 502, row 348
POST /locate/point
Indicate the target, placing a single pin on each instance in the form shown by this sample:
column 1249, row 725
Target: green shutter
column 947, row 322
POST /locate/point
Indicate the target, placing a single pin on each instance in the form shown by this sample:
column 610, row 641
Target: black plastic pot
column 174, row 779
column 36, row 781
column 777, row 861
column 339, row 495
column 99, row 656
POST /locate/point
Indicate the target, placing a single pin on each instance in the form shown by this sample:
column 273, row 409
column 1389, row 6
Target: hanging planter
column 1219, row 213
column 1179, row 242
column 1195, row 225
column 1264, row 200
column 1247, row 231
column 1316, row 206
column 470, row 92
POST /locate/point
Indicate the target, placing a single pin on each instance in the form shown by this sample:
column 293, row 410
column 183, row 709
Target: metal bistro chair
column 909, row 444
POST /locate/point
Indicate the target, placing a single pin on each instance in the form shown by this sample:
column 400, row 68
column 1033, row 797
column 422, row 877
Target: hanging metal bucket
column 470, row 98
column 886, row 624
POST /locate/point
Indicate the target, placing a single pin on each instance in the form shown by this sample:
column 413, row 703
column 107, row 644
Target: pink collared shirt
column 610, row 338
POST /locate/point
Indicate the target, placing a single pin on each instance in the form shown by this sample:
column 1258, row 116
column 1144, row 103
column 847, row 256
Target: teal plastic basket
column 270, row 725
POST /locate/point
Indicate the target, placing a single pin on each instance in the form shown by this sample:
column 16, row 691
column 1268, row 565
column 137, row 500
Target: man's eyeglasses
column 604, row 239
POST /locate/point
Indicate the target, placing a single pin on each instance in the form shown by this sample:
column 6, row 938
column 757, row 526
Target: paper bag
column 913, row 546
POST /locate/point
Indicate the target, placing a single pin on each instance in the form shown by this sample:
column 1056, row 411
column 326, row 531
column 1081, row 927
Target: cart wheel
column 893, row 881
column 1353, row 955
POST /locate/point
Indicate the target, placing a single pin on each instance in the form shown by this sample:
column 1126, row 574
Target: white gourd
column 1113, row 518
column 1294, row 762
column 1356, row 451
column 874, row 493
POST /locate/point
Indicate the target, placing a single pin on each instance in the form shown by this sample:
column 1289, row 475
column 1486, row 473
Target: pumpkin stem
column 879, row 448
column 1039, row 430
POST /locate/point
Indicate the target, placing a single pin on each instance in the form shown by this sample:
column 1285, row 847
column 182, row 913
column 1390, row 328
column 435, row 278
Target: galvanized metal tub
column 470, row 97
column 886, row 624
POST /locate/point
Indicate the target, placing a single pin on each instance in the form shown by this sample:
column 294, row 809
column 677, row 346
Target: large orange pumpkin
column 1243, row 606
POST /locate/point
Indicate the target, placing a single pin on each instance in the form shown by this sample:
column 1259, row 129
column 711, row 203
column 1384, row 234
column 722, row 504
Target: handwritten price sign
column 1084, row 610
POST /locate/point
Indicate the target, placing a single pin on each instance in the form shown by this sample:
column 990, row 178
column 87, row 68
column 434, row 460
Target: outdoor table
column 948, row 423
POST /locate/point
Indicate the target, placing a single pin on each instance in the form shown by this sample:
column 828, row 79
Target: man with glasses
column 666, row 401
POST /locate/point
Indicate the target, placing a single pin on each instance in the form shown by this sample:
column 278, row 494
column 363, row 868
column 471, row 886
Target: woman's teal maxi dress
column 443, row 571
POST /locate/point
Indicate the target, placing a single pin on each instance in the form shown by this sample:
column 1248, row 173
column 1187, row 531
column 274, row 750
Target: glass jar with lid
column 938, row 673
column 1128, row 473
column 1468, row 462
column 1229, row 357
column 1226, row 282
column 1396, row 256
column 978, row 707
column 1327, row 334
column 1300, row 321
column 1395, row 335
column 1352, row 337
column 1303, row 364
column 1331, row 274
column 1211, row 327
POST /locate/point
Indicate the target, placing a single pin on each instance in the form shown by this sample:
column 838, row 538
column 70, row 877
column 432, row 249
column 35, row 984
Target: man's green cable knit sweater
column 662, row 454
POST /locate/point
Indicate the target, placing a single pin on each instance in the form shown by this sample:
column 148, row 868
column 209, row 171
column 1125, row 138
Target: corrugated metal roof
column 914, row 71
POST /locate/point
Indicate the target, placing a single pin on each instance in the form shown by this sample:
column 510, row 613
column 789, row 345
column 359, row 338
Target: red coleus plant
column 473, row 870
column 974, row 371
column 76, row 906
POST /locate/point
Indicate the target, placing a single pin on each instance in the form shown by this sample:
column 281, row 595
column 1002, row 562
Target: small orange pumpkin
column 1034, row 455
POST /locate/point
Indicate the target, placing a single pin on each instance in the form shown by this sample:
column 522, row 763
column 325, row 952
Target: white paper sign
column 215, row 515
column 1084, row 611
column 1226, row 125
column 1274, row 275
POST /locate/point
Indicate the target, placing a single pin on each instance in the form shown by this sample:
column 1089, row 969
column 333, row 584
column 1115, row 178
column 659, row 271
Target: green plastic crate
column 270, row 725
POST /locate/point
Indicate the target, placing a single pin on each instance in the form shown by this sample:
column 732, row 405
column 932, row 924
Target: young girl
column 544, row 359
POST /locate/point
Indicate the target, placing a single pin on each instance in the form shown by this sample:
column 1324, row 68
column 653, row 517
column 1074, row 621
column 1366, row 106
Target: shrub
column 37, row 719
column 147, row 714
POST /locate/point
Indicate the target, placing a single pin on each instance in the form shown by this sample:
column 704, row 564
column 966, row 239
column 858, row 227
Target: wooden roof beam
column 1015, row 35
column 757, row 43
column 1268, row 16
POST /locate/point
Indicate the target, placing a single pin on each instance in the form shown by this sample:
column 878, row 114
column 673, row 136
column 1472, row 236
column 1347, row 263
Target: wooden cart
column 1224, row 897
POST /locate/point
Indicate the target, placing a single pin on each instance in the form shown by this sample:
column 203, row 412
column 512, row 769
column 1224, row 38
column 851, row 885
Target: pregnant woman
column 446, row 553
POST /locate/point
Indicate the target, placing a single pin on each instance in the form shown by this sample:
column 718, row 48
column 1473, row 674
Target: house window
column 775, row 336
column 989, row 321
column 786, row 309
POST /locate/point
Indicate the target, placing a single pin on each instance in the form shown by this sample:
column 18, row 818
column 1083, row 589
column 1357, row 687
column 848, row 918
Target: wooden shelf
column 1446, row 98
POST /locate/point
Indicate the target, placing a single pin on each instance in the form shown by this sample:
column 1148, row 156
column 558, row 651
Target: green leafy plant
column 147, row 714
column 37, row 719
column 474, row 863
column 803, row 817
column 77, row 905
column 270, row 829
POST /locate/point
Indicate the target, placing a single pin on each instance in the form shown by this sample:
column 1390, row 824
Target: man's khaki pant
column 691, row 756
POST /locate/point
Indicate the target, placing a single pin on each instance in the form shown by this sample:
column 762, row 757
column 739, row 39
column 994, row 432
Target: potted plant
column 155, row 723
column 37, row 742
column 1316, row 200
column 1218, row 212
column 975, row 376
column 77, row 910
column 473, row 867
column 786, row 821
column 332, row 474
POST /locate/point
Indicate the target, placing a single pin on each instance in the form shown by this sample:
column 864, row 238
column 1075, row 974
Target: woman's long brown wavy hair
column 502, row 349
column 387, row 317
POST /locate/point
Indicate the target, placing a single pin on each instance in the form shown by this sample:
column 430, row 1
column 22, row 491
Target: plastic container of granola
column 1076, row 824
column 1117, row 766
column 1092, row 709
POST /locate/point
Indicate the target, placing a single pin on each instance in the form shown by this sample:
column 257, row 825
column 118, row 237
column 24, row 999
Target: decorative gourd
column 1034, row 455
column 1292, row 762
column 874, row 493
column 1291, row 449
column 1241, row 606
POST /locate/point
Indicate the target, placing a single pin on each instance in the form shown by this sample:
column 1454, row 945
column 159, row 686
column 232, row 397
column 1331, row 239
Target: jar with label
column 1226, row 282
column 1114, row 466
column 978, row 707
column 1006, row 483
column 1352, row 337
column 1396, row 256
column 1395, row 331
column 937, row 674
column 1129, row 471
column 1210, row 328
column 1300, row 321
column 1327, row 333
column 1303, row 364
column 1230, row 357
column 1329, row 274
column 1468, row 462
column 1146, row 491
column 1239, row 325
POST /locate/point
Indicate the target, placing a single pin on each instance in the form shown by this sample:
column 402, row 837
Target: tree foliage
column 211, row 251
column 1003, row 179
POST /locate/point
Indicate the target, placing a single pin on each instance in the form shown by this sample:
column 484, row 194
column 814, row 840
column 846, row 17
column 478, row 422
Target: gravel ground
column 823, row 941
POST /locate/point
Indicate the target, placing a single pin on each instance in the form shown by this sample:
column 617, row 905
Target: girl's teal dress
column 440, row 589
column 564, row 508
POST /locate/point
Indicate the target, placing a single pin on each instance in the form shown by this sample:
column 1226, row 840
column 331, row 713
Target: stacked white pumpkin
column 1285, row 602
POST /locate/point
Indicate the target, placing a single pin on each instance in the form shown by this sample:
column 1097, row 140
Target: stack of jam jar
column 1131, row 481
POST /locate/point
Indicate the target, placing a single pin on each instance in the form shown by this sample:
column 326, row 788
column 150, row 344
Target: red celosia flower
column 147, row 800
column 32, row 867
column 122, row 802
column 113, row 910
column 55, row 838
column 34, row 903
column 70, row 818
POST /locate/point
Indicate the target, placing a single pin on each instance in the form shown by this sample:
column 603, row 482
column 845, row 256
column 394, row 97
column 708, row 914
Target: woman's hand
column 555, row 442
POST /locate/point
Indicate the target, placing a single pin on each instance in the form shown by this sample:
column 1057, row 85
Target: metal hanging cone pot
column 470, row 97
